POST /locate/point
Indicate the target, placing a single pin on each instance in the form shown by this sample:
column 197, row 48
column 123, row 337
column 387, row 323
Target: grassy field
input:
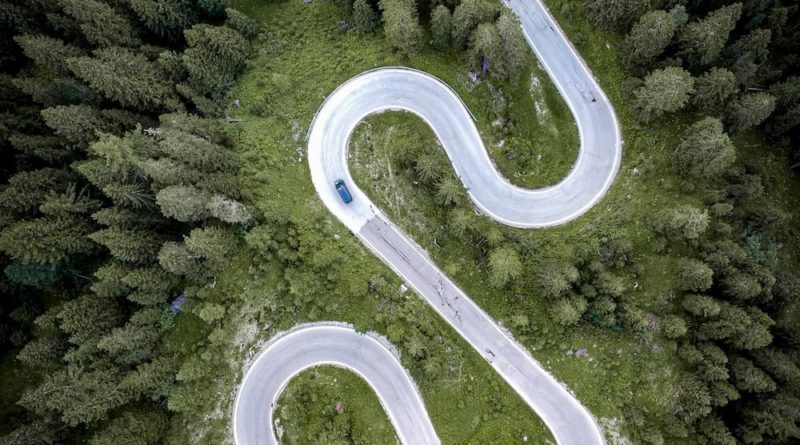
column 332, row 405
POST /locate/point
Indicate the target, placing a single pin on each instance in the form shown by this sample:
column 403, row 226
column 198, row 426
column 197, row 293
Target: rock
column 582, row 352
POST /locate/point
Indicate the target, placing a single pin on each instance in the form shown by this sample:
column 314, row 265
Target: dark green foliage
column 401, row 25
column 127, row 77
column 504, row 265
column 700, row 305
column 648, row 39
column 214, row 57
column 705, row 150
column 712, row 88
column 76, row 395
column 441, row 26
column 133, row 427
column 683, row 222
column 749, row 110
column 702, row 41
column 48, row 52
column 615, row 14
column 693, row 275
column 165, row 18
column 46, row 240
column 81, row 94
column 748, row 377
column 100, row 24
column 466, row 17
column 365, row 18
column 664, row 91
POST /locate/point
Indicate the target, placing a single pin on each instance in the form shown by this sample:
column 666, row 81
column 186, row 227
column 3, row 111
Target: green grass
column 328, row 404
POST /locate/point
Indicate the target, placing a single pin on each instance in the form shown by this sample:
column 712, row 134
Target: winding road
column 426, row 96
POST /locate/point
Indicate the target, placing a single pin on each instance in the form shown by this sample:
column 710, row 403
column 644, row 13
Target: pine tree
column 126, row 77
column 693, row 275
column 441, row 26
column 151, row 285
column 46, row 240
column 702, row 41
column 133, row 246
column 686, row 222
column 700, row 305
column 749, row 110
column 567, row 311
column 237, row 20
column 713, row 88
column 143, row 426
column 78, row 395
column 504, row 266
column 648, row 38
column 48, row 52
column 86, row 319
column 486, row 45
column 134, row 342
column 555, row 279
column 401, row 25
column 748, row 377
column 75, row 123
column 365, row 18
column 613, row 15
column 214, row 57
column 705, row 151
column 665, row 90
column 184, row 203
column 100, row 23
column 27, row 190
column 513, row 46
column 466, row 17
column 673, row 326
column 165, row 19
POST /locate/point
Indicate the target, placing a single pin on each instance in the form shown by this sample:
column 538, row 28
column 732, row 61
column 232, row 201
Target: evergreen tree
column 165, row 18
column 183, row 202
column 366, row 19
column 700, row 305
column 702, row 41
column 133, row 427
column 134, row 342
column 75, row 123
column 693, row 275
column 664, row 91
column 648, row 38
column 441, row 26
column 504, row 266
column 214, row 57
column 100, row 24
column 129, row 245
column 512, row 45
column 705, row 150
column 486, row 45
column 555, row 279
column 614, row 15
column 678, row 222
column 401, row 25
column 246, row 26
column 466, row 17
column 568, row 311
column 48, row 52
column 46, row 240
column 749, row 110
column 713, row 88
column 126, row 77
column 748, row 377
column 151, row 285
column 673, row 326
column 77, row 395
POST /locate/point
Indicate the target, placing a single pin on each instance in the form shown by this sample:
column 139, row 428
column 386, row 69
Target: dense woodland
column 120, row 199
column 117, row 195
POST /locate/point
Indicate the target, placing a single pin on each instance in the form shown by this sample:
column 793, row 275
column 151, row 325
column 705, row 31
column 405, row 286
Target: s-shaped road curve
column 432, row 100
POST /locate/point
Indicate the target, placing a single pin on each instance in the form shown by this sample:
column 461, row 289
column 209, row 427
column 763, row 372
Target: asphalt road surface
column 368, row 355
column 405, row 89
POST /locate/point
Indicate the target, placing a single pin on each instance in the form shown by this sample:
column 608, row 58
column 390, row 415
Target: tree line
column 119, row 198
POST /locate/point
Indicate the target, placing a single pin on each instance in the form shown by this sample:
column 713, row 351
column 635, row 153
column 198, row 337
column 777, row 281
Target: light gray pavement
column 591, row 176
column 328, row 344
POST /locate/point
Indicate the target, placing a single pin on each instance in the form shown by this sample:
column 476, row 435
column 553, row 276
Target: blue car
column 343, row 192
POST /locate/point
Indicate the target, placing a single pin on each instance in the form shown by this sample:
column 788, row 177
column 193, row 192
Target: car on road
column 343, row 192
